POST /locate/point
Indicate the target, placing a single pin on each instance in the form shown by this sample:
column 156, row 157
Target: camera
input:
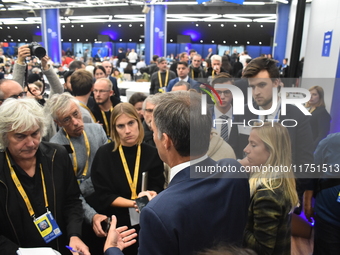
column 37, row 50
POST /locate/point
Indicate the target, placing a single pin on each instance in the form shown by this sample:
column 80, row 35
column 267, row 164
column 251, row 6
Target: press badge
column 47, row 227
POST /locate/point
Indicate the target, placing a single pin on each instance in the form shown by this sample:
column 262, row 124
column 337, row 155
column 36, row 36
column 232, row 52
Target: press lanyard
column 160, row 78
column 74, row 155
column 22, row 191
column 192, row 74
column 84, row 106
column 132, row 184
column 106, row 123
column 213, row 73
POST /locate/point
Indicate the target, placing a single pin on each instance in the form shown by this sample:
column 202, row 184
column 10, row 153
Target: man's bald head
column 9, row 88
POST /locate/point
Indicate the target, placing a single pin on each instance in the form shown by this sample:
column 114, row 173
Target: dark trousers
column 326, row 238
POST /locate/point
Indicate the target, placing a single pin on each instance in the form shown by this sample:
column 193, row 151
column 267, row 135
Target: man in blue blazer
column 183, row 71
column 200, row 208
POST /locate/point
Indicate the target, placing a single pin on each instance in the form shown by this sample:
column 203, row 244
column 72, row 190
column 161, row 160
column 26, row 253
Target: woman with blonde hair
column 118, row 168
column 272, row 188
column 320, row 121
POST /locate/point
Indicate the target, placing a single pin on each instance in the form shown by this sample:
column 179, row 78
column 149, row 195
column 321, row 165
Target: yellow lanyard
column 106, row 123
column 132, row 184
column 160, row 79
column 85, row 107
column 22, row 191
column 213, row 73
column 192, row 74
column 74, row 155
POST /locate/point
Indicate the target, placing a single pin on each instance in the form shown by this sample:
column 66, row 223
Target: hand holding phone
column 142, row 202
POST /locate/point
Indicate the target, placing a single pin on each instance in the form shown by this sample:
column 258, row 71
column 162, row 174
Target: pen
column 73, row 250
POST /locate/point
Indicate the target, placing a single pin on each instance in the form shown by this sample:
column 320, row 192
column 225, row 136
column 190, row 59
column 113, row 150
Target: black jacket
column 63, row 198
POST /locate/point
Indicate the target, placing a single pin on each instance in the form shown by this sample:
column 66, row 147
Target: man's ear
column 58, row 123
column 276, row 83
column 166, row 141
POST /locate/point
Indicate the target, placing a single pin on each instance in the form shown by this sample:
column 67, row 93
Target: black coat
column 63, row 198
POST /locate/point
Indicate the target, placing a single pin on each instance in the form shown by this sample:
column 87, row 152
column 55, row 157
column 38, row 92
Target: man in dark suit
column 263, row 76
column 197, row 210
column 183, row 71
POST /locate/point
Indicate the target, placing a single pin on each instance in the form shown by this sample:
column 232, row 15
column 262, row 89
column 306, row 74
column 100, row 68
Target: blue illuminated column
column 281, row 30
column 50, row 30
column 335, row 108
column 155, row 32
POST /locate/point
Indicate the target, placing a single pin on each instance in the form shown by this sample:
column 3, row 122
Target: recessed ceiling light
column 86, row 40
column 119, row 25
column 26, row 40
column 248, row 42
column 130, row 40
column 130, row 25
column 197, row 25
column 63, row 26
column 171, row 40
column 141, row 25
column 260, row 42
column 261, row 25
column 72, row 25
column 201, row 41
column 212, row 41
column 5, row 40
column 109, row 25
column 236, row 42
column 140, row 40
column 12, row 40
column 95, row 40
column 61, row 40
column 81, row 25
column 222, row 25
column 8, row 28
column 18, row 40
column 209, row 25
column 224, row 42
column 120, row 40
column 69, row 40
column 235, row 25
column 0, row 27
column 38, row 27
column 16, row 27
column 78, row 40
column 248, row 25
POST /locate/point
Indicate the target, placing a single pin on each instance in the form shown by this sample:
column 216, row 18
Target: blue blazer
column 193, row 214
column 193, row 84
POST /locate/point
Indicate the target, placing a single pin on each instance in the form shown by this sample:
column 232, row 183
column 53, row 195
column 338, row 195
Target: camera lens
column 39, row 52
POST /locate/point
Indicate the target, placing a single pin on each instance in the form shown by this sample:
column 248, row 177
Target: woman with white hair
column 36, row 184
column 272, row 190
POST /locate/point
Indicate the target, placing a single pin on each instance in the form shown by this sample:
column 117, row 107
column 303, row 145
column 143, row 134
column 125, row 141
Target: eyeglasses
column 21, row 94
column 224, row 92
column 100, row 91
column 67, row 121
column 149, row 110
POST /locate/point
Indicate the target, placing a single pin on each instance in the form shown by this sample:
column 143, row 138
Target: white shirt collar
column 176, row 169
column 218, row 113
column 185, row 79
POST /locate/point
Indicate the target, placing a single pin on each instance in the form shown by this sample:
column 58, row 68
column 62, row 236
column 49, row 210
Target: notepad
column 37, row 251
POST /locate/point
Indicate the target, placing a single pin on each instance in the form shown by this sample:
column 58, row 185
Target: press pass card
column 47, row 227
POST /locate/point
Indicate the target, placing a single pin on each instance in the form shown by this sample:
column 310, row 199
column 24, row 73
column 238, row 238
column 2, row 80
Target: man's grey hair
column 197, row 55
column 20, row 115
column 109, row 83
column 59, row 104
column 181, row 83
column 179, row 116
column 152, row 99
column 216, row 57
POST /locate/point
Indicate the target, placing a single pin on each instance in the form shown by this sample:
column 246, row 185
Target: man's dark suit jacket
column 193, row 214
column 193, row 84
column 115, row 87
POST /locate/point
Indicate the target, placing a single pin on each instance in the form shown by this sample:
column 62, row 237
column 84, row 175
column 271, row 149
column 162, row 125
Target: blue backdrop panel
column 50, row 28
column 171, row 49
column 281, row 30
column 198, row 48
column 254, row 51
column 155, row 32
column 335, row 112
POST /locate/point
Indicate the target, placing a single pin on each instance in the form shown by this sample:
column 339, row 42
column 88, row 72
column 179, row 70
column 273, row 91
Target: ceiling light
column 261, row 26
column 38, row 27
column 248, row 25
column 16, row 27
column 209, row 25
column 260, row 42
column 201, row 41
column 81, row 25
column 18, row 40
column 26, row 40
column 212, row 41
column 62, row 40
column 141, row 25
column 120, row 40
column 130, row 25
column 171, row 40
column 72, row 26
column 254, row 3
column 235, row 25
column 224, row 42
column 109, row 25
column 140, row 40
column 130, row 40
column 69, row 40
column 86, row 40
column 197, row 25
column 8, row 28
column 78, row 40
column 248, row 42
column 12, row 40
column 236, row 42
column 63, row 26
column 119, row 25
column 222, row 25
column 282, row 1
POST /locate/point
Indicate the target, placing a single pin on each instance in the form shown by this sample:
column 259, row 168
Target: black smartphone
column 142, row 202
column 106, row 224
